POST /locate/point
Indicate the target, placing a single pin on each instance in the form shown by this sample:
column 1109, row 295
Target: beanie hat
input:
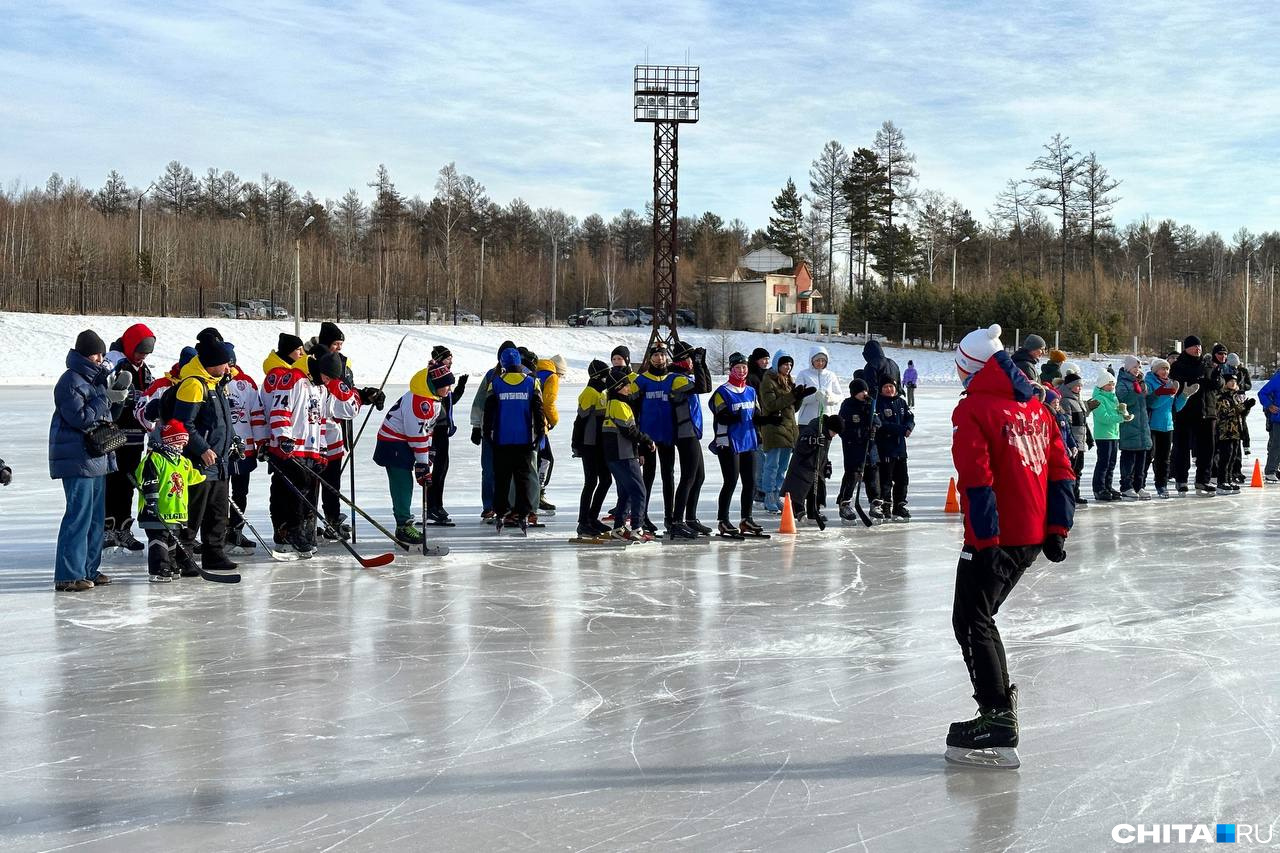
column 1031, row 342
column 174, row 435
column 209, row 333
column 782, row 359
column 758, row 353
column 1228, row 373
column 681, row 350
column 138, row 340
column 833, row 423
column 213, row 352
column 328, row 364
column 562, row 366
column 1233, row 359
column 1104, row 379
column 622, row 351
column 1057, row 355
column 329, row 332
column 438, row 377
column 231, row 348
column 89, row 343
column 504, row 346
column 509, row 357
column 1219, row 348
column 528, row 358
column 857, row 386
column 185, row 355
column 1131, row 363
column 657, row 346
column 440, row 352
column 597, row 369
column 287, row 343
column 1050, row 371
column 736, row 358
column 1072, row 378
column 618, row 377
column 1190, row 341
column 1157, row 363
column 1050, row 395
column 975, row 349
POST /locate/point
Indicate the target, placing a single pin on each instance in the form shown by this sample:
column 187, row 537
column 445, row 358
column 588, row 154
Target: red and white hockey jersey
column 248, row 418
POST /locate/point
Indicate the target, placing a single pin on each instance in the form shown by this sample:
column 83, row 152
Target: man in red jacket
column 1016, row 492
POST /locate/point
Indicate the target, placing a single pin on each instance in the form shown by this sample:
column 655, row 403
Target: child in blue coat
column 894, row 427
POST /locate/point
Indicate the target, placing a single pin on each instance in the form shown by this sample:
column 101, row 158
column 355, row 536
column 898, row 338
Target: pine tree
column 1057, row 171
column 388, row 203
column 1095, row 186
column 177, row 189
column 113, row 198
column 786, row 229
column 866, row 194
column 900, row 172
column 826, row 178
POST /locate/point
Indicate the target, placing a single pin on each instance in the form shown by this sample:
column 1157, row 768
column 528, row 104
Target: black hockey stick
column 351, row 450
column 366, row 562
column 384, row 531
column 866, row 453
column 271, row 552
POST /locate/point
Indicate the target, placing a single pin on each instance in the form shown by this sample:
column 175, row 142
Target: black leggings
column 666, row 455
column 439, row 468
column 735, row 466
column 692, row 475
column 596, row 481
column 979, row 594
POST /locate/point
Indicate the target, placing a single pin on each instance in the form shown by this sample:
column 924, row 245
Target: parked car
column 646, row 315
column 250, row 308
column 596, row 317
column 227, row 310
column 685, row 317
column 624, row 317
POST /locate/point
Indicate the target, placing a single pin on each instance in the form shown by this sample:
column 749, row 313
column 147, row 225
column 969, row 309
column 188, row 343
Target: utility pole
column 297, row 277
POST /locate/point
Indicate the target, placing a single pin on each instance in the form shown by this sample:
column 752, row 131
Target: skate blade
column 992, row 758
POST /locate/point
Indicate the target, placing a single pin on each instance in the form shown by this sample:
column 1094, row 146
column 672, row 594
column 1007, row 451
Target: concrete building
column 767, row 292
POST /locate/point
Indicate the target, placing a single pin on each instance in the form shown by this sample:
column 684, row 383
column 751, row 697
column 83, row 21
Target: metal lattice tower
column 667, row 96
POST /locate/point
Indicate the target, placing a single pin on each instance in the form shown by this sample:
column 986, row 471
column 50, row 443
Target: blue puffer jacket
column 1270, row 396
column 1161, row 404
column 80, row 401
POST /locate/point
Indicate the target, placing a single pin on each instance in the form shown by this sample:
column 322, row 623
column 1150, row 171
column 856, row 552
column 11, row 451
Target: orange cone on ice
column 1257, row 475
column 953, row 500
column 788, row 523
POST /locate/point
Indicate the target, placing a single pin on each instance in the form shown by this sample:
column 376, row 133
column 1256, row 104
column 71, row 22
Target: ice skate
column 336, row 529
column 1272, row 478
column 1143, row 494
column 1205, row 490
column 238, row 543
column 879, row 512
column 544, row 505
column 846, row 511
column 677, row 532
column 821, row 521
column 1182, row 489
column 649, row 526
column 408, row 534
column 749, row 529
column 702, row 530
column 439, row 517
column 726, row 530
column 900, row 513
column 531, row 521
column 488, row 516
column 125, row 538
column 1129, row 494
column 989, row 740
column 1162, row 493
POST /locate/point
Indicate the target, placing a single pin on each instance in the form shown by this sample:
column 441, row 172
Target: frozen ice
column 784, row 695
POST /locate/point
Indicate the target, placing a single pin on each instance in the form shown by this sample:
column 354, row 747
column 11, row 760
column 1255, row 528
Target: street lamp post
column 954, row 249
column 1248, row 269
column 482, row 239
column 297, row 277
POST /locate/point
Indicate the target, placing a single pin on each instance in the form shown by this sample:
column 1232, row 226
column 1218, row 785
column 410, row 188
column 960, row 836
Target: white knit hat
column 1131, row 362
column 1157, row 363
column 975, row 349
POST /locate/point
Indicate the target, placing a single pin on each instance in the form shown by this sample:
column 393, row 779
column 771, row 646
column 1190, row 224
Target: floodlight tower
column 666, row 96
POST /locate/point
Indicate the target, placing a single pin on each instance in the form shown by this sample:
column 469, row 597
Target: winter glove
column 1175, row 385
column 1190, row 389
column 1092, row 404
column 1123, row 409
column 996, row 561
column 476, row 436
column 6, row 474
column 1248, row 405
column 287, row 446
column 826, row 470
column 372, row 397
column 1088, row 442
column 422, row 473
column 802, row 391
column 458, row 386
column 1055, row 547
column 118, row 390
column 236, row 450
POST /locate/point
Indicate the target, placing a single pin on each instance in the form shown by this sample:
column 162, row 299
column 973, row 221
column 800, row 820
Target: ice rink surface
column 520, row 694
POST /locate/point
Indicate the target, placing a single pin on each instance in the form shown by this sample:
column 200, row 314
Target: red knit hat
column 174, row 435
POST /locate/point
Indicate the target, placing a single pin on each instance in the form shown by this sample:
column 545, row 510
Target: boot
column 543, row 505
column 702, row 530
column 408, row 533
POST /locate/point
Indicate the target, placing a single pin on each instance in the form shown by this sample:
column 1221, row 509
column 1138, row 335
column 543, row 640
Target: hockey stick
column 271, row 552
column 346, row 435
column 866, row 452
column 351, row 450
column 351, row 503
column 366, row 562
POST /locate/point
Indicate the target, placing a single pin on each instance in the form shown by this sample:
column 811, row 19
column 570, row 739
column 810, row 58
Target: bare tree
column 826, row 182
column 1055, row 179
column 1095, row 186
column 900, row 171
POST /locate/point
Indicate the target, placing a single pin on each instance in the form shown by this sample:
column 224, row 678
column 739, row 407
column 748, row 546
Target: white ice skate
column 991, row 758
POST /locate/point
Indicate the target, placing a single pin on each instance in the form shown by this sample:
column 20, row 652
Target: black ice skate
column 726, row 530
column 989, row 740
column 900, row 513
column 750, row 530
column 701, row 529
column 846, row 511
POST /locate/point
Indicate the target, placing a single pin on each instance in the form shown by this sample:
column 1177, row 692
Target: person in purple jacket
column 910, row 377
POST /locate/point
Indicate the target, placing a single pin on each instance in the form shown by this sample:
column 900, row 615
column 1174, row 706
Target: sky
column 1179, row 100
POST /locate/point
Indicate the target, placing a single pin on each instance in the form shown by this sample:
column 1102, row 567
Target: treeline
column 882, row 247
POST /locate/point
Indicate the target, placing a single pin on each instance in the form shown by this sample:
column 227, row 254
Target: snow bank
column 33, row 347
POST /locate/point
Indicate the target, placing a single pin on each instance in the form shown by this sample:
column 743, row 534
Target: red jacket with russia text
column 1015, row 480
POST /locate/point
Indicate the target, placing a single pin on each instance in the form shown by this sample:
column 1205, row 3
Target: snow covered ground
column 33, row 347
column 792, row 694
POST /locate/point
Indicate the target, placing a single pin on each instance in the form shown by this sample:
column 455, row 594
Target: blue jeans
column 1105, row 466
column 79, row 552
column 630, row 483
column 486, row 474
column 776, row 461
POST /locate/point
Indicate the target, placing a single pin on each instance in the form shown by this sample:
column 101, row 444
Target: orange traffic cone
column 788, row 523
column 953, row 501
column 1257, row 474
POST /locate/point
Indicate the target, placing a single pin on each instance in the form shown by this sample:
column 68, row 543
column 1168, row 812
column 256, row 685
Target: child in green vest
column 164, row 475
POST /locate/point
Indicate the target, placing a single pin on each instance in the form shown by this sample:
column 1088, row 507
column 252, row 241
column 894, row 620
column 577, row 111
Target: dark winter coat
column 1026, row 362
column 895, row 421
column 1078, row 411
column 1190, row 369
column 1231, row 412
column 1134, row 434
column 879, row 367
column 808, row 461
column 777, row 413
column 200, row 403
column 80, row 401
column 856, row 437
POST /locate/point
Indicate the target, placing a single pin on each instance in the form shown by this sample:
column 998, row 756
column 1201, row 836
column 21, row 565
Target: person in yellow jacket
column 164, row 477
column 549, row 372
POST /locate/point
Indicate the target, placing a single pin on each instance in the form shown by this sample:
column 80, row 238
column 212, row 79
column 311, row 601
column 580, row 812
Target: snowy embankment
column 33, row 347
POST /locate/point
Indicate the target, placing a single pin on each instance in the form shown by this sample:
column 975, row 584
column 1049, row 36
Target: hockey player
column 405, row 443
column 441, row 433
column 733, row 405
column 861, row 464
column 623, row 444
column 249, row 421
column 164, row 477
column 1015, row 485
column 690, row 362
column 514, row 425
column 293, row 422
column 894, row 425
column 127, row 355
column 809, row 464
column 587, row 444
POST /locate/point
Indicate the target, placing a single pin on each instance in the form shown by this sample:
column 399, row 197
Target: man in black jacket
column 1193, row 427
